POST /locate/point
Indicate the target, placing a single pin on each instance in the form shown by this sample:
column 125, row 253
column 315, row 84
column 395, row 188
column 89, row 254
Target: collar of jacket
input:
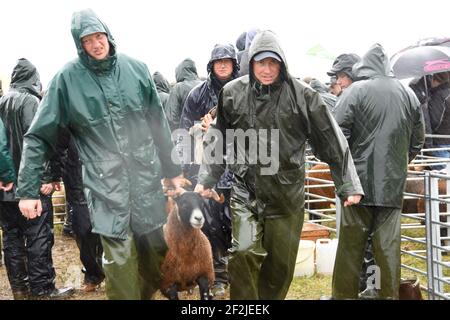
column 262, row 90
column 100, row 66
column 216, row 85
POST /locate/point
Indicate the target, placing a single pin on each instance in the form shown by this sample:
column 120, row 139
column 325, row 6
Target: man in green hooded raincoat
column 267, row 200
column 383, row 123
column 109, row 103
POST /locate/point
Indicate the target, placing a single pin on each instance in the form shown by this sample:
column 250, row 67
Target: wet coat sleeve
column 160, row 130
column 6, row 164
column 418, row 130
column 42, row 134
column 330, row 144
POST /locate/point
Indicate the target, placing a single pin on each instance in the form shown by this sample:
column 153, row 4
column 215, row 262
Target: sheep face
column 190, row 209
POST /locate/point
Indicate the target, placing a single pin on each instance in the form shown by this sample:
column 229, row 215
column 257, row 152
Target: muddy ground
column 68, row 273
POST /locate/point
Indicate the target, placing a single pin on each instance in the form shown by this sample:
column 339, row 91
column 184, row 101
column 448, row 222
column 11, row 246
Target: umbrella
column 433, row 42
column 418, row 61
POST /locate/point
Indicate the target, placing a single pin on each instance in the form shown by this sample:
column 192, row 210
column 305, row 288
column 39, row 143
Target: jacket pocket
column 105, row 180
column 147, row 167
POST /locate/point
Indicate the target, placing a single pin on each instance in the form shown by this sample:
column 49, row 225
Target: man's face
column 223, row 68
column 266, row 70
column 335, row 89
column 96, row 45
column 343, row 80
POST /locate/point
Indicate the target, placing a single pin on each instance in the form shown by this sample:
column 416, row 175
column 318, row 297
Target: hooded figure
column 240, row 45
column 267, row 197
column 112, row 110
column 187, row 78
column 28, row 244
column 244, row 57
column 383, row 124
column 163, row 88
column 204, row 96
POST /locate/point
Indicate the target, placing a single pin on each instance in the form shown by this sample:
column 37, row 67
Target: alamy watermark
column 374, row 278
column 237, row 147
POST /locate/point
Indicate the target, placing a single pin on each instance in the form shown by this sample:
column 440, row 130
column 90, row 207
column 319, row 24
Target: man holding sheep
column 268, row 205
column 109, row 103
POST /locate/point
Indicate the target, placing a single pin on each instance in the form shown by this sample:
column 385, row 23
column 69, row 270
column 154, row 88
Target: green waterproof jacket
column 383, row 123
column 113, row 112
column 299, row 114
column 6, row 163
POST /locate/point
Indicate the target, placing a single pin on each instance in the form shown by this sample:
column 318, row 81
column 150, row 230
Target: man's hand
column 200, row 189
column 30, row 208
column 206, row 122
column 6, row 187
column 46, row 189
column 351, row 200
column 56, row 185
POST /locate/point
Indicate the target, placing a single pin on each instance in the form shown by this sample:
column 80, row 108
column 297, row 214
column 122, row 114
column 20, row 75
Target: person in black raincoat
column 267, row 197
column 27, row 244
column 222, row 68
column 163, row 88
column 187, row 78
column 421, row 90
column 88, row 243
column 439, row 114
column 109, row 104
column 383, row 124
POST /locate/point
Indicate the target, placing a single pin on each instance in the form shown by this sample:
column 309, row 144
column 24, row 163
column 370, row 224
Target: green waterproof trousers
column 263, row 253
column 132, row 266
column 357, row 222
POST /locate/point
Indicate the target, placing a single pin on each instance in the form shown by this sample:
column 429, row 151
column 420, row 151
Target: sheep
column 188, row 260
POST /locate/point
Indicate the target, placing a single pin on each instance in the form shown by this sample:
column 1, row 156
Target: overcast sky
column 162, row 33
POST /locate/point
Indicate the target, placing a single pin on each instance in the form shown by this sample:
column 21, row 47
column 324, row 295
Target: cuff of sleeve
column 347, row 189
